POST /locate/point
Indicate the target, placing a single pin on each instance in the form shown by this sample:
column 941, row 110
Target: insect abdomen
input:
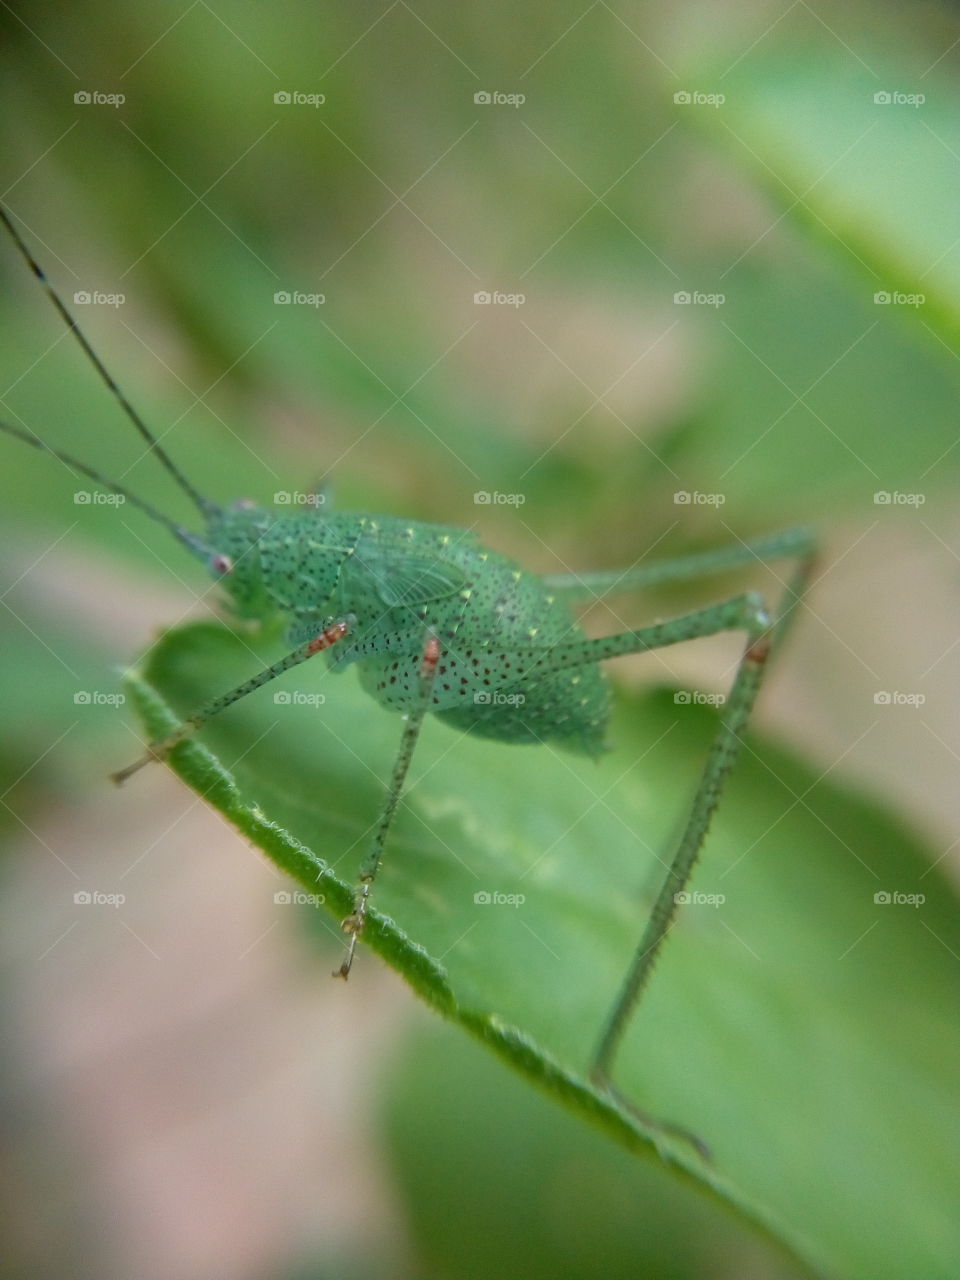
column 488, row 681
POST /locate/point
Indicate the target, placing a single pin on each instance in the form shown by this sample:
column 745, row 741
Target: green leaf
column 863, row 152
column 834, row 353
column 575, row 1205
column 803, row 1030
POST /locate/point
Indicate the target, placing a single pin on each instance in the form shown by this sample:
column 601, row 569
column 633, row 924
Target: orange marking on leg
column 431, row 656
column 759, row 651
column 328, row 637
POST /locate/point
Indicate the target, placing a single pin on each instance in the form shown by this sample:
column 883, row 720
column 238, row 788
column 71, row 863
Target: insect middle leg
column 353, row 925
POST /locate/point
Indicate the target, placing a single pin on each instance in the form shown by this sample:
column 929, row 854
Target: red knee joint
column 759, row 651
column 431, row 656
column 329, row 636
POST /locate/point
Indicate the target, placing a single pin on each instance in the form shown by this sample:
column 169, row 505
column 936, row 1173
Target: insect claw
column 155, row 752
column 604, row 1085
column 352, row 925
column 120, row 777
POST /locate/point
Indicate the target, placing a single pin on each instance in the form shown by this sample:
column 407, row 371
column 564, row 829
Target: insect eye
column 221, row 564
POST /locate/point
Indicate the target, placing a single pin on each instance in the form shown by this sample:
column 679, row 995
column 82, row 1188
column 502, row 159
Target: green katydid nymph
column 436, row 623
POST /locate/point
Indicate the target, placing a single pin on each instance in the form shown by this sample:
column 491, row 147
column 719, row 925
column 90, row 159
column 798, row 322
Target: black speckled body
column 400, row 579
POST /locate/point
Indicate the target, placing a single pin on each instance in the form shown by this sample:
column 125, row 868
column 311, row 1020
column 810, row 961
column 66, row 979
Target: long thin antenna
column 204, row 505
column 194, row 542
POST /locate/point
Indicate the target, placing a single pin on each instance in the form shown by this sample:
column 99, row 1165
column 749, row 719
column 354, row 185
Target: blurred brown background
column 705, row 235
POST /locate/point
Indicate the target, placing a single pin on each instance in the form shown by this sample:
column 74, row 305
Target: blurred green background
column 734, row 233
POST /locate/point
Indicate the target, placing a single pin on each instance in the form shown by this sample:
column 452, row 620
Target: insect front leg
column 353, row 925
column 158, row 750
